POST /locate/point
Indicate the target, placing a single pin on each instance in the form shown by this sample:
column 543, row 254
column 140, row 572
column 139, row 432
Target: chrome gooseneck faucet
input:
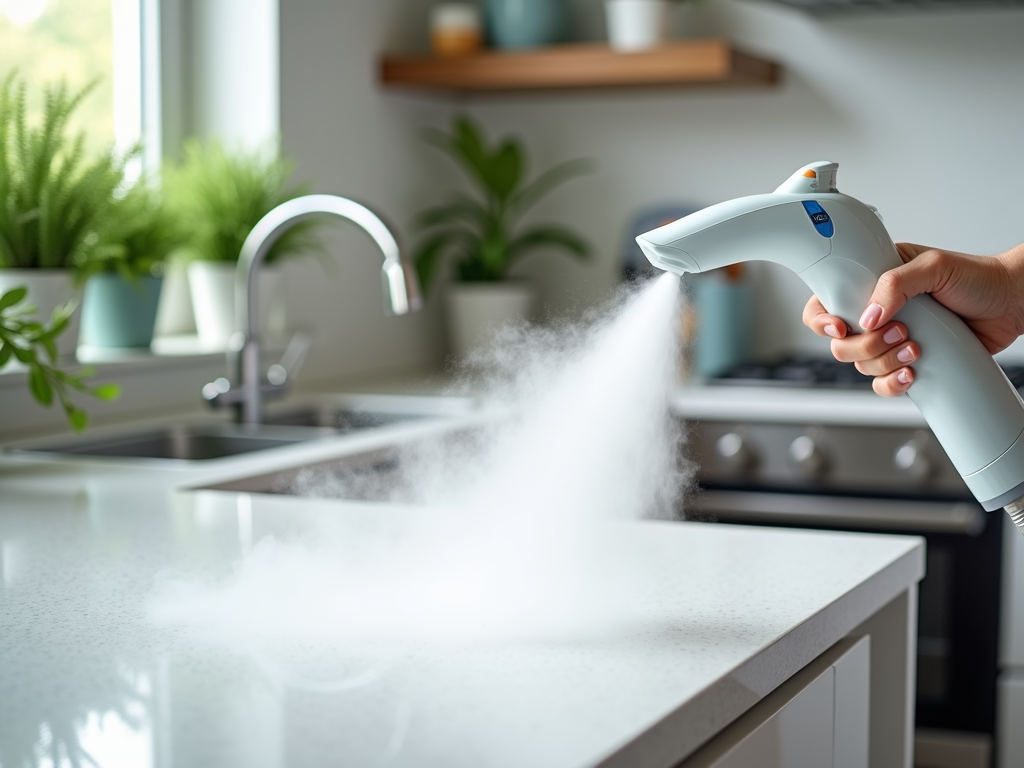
column 401, row 295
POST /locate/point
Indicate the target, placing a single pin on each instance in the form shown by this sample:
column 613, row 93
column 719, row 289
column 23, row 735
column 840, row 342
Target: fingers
column 924, row 272
column 893, row 384
column 867, row 346
column 821, row 322
column 893, row 360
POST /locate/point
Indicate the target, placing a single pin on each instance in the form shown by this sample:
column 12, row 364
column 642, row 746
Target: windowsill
column 166, row 351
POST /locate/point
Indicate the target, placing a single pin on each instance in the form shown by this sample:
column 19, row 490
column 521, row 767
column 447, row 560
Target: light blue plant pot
column 519, row 24
column 117, row 313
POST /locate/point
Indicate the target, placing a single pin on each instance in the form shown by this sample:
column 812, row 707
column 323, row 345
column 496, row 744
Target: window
column 81, row 41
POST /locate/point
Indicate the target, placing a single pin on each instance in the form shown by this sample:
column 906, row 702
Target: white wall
column 922, row 110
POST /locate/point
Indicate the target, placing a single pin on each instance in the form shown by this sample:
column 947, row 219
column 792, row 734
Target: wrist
column 1013, row 262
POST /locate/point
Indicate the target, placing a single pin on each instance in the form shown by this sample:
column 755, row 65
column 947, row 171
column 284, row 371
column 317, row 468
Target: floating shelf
column 683, row 63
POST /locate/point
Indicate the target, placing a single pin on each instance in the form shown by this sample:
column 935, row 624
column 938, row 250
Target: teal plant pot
column 118, row 313
column 519, row 24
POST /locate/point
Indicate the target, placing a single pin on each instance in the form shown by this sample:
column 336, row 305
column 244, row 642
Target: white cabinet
column 817, row 719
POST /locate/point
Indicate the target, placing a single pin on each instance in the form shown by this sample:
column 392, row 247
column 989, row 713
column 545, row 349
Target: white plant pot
column 476, row 311
column 48, row 288
column 212, row 288
column 636, row 25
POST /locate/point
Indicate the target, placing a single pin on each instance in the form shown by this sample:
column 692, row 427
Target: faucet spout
column 401, row 288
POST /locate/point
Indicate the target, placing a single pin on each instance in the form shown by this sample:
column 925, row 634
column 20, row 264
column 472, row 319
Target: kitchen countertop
column 718, row 617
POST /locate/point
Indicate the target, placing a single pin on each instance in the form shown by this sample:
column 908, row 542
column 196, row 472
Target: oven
column 872, row 475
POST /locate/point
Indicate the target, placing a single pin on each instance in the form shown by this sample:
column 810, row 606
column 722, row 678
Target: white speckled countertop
column 722, row 616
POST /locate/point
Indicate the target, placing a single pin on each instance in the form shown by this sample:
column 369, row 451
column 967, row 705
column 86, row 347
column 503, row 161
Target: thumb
column 923, row 273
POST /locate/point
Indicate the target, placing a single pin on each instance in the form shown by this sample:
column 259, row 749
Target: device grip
column 973, row 410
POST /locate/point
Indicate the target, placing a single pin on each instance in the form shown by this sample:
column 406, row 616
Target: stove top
column 800, row 371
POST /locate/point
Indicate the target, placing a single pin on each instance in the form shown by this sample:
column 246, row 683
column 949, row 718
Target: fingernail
column 905, row 355
column 893, row 335
column 903, row 377
column 871, row 316
column 832, row 331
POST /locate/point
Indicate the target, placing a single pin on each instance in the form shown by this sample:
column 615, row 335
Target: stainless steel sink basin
column 187, row 443
column 371, row 476
column 283, row 426
column 352, row 413
column 380, row 475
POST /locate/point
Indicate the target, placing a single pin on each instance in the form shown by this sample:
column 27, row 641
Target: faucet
column 401, row 296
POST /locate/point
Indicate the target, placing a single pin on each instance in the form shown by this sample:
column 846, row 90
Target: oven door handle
column 962, row 517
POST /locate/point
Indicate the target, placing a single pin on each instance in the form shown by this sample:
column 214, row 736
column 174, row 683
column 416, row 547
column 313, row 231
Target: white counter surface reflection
column 712, row 618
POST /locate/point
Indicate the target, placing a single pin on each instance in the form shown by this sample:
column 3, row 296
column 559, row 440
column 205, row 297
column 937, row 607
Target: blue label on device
column 819, row 218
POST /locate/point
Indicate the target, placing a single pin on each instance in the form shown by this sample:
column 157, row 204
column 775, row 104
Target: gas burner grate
column 797, row 371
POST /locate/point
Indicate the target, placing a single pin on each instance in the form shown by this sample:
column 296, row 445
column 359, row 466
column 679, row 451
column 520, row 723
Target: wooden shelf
column 683, row 63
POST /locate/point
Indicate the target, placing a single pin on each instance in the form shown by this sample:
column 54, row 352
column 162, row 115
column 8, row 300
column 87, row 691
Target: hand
column 986, row 291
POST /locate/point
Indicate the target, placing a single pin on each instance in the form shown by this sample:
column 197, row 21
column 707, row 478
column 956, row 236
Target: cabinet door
column 817, row 719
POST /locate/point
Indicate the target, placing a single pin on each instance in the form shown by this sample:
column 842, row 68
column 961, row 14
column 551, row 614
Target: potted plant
column 53, row 200
column 219, row 196
column 484, row 233
column 125, row 271
column 32, row 344
column 638, row 25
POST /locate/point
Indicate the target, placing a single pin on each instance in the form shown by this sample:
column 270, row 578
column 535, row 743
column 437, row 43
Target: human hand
column 986, row 291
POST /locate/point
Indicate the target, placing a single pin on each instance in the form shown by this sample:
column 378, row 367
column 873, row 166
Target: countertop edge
column 684, row 730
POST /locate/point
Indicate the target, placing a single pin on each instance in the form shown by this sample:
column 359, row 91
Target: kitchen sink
column 380, row 475
column 353, row 413
column 282, row 426
column 184, row 442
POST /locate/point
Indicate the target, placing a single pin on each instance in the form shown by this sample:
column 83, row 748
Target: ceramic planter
column 119, row 313
column 636, row 25
column 519, row 24
column 48, row 288
column 212, row 286
column 477, row 310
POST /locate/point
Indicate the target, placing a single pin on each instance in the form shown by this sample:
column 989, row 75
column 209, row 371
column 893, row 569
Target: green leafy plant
column 219, row 196
column 53, row 198
column 138, row 237
column 482, row 232
column 32, row 343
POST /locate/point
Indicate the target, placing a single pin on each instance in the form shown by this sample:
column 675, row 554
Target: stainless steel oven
column 880, row 479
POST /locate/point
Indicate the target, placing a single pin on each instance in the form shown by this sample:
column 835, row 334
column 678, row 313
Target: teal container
column 118, row 313
column 519, row 24
column 723, row 324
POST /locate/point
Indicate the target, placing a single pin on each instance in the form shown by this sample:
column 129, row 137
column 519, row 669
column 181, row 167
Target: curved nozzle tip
column 667, row 257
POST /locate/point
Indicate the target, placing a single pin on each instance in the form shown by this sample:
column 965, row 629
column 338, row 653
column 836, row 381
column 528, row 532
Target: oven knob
column 733, row 452
column 911, row 459
column 806, row 456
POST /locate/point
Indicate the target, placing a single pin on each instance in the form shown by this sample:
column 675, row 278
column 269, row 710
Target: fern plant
column 33, row 344
column 137, row 238
column 219, row 196
column 53, row 198
column 483, row 231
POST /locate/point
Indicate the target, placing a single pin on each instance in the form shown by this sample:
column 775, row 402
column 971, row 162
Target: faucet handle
column 288, row 367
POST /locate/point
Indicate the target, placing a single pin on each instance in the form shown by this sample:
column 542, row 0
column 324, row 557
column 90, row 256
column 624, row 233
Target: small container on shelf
column 455, row 29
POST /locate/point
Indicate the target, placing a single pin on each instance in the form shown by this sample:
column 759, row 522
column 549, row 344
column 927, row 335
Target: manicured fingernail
column 871, row 316
column 893, row 335
column 905, row 355
column 903, row 377
column 832, row 331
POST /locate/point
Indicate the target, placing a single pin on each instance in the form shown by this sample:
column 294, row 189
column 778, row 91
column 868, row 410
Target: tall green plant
column 33, row 344
column 483, row 231
column 53, row 198
column 219, row 196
